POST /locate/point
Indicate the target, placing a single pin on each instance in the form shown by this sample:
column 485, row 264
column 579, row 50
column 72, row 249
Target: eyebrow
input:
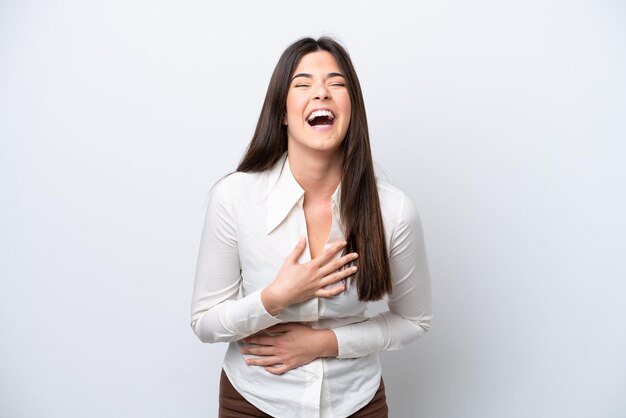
column 307, row 75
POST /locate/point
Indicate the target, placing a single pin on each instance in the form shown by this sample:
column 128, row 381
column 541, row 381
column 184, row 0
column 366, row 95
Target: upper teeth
column 318, row 113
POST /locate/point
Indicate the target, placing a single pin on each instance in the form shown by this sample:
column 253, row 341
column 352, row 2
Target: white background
column 503, row 120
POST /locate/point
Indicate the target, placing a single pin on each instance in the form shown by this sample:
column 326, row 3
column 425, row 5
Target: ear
column 285, row 119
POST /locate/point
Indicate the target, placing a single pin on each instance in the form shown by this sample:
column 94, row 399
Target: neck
column 316, row 172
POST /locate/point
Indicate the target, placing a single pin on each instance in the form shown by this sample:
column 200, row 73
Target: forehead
column 318, row 61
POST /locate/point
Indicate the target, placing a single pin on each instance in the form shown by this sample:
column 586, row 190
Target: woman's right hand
column 297, row 282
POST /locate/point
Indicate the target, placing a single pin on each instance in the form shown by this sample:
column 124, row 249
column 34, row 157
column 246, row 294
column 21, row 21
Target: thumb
column 297, row 251
column 280, row 328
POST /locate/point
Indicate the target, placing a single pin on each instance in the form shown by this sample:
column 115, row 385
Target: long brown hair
column 360, row 205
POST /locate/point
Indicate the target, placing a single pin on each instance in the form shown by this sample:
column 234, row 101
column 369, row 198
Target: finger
column 280, row 328
column 259, row 340
column 297, row 251
column 278, row 370
column 336, row 264
column 259, row 351
column 340, row 275
column 256, row 334
column 329, row 253
column 263, row 361
column 327, row 293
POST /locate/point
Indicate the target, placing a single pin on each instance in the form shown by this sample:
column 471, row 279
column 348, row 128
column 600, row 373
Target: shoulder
column 393, row 201
column 238, row 179
column 238, row 185
column 398, row 211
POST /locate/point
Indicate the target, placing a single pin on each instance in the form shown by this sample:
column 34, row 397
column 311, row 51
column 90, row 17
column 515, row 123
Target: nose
column 321, row 92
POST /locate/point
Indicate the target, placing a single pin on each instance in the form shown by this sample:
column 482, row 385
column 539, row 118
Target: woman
column 300, row 343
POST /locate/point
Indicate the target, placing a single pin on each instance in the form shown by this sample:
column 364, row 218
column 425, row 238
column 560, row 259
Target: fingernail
column 355, row 255
column 353, row 268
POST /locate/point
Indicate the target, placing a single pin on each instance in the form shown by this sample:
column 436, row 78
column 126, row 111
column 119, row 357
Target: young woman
column 295, row 244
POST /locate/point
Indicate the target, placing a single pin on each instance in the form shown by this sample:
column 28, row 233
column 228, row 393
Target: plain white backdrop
column 503, row 120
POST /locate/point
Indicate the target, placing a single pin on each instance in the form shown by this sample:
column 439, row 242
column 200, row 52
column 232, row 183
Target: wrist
column 271, row 303
column 328, row 341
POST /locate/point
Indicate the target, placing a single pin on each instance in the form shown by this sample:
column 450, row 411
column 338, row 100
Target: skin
column 315, row 159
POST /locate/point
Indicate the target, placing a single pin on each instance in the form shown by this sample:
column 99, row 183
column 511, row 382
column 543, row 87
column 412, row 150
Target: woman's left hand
column 296, row 345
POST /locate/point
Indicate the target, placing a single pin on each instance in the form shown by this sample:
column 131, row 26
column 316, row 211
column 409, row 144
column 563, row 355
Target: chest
column 318, row 217
column 261, row 255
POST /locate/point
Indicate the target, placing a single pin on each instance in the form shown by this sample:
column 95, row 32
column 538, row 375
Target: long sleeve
column 216, row 312
column 409, row 313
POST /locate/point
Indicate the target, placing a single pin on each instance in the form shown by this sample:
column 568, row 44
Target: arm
column 216, row 313
column 408, row 317
column 409, row 304
column 296, row 345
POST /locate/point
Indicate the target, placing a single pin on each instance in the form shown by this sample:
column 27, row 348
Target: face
column 318, row 104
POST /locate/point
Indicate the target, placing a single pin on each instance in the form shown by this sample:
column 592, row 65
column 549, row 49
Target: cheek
column 348, row 114
column 294, row 107
column 346, row 105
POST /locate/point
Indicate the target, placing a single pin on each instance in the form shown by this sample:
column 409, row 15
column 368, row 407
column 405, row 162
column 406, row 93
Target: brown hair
column 360, row 205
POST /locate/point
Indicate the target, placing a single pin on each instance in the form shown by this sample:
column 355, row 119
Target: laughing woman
column 295, row 244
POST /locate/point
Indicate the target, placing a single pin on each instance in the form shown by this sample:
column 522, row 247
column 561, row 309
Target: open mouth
column 321, row 118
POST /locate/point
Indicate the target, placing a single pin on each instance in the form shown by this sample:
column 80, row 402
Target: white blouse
column 253, row 221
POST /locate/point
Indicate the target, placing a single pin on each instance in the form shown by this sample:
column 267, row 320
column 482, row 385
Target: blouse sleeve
column 217, row 315
column 409, row 313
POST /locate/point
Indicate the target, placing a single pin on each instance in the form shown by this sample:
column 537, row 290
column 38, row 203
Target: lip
column 320, row 108
column 321, row 128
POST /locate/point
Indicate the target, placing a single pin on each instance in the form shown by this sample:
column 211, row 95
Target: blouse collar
column 285, row 192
